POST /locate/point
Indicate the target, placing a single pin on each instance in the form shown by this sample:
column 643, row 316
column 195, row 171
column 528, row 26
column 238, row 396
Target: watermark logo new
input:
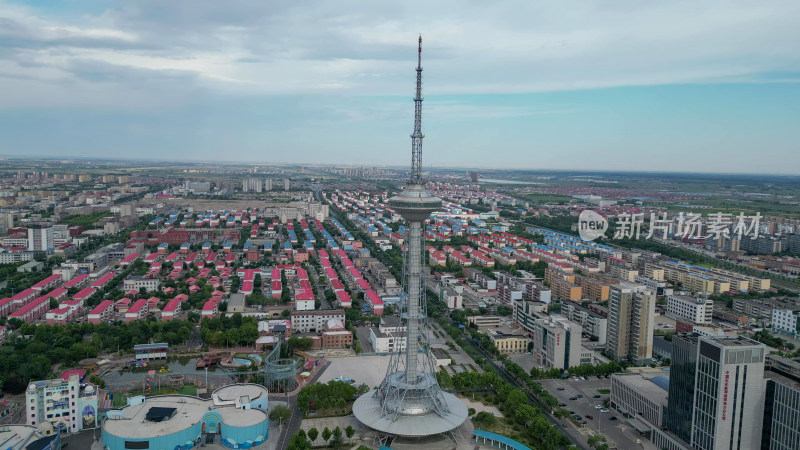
column 591, row 225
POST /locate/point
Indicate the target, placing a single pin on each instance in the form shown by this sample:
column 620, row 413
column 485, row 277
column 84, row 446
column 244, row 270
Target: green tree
column 349, row 431
column 280, row 413
column 312, row 435
column 326, row 435
column 299, row 442
column 337, row 434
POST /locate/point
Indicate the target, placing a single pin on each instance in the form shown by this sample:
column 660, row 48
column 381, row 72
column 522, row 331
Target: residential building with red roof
column 210, row 309
column 137, row 311
column 374, row 302
column 102, row 281
column 77, row 281
column 33, row 310
column 48, row 283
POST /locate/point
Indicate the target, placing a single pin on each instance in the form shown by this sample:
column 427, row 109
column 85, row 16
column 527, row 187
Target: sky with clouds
column 625, row 85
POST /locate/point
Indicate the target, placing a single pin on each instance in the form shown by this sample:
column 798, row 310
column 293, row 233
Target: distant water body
column 490, row 180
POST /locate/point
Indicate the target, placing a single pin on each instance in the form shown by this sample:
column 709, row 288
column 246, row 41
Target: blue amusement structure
column 236, row 416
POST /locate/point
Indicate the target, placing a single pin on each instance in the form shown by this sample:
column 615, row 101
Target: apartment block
column 630, row 324
column 697, row 310
column 595, row 326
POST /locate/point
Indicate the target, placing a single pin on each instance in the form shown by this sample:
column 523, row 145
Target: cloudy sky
column 634, row 85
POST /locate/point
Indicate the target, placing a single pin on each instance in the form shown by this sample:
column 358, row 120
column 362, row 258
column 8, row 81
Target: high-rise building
column 286, row 185
column 556, row 343
column 781, row 427
column 729, row 394
column 717, row 392
column 681, row 385
column 252, row 185
column 40, row 238
column 630, row 324
column 268, row 184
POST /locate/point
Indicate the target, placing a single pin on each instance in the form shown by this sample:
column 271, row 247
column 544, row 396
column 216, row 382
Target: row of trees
column 319, row 396
column 233, row 331
column 31, row 353
column 536, row 428
column 304, row 441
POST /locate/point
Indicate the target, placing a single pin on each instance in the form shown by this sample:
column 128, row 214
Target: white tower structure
column 409, row 401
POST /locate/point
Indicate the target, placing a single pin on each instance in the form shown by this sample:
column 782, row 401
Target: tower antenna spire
column 417, row 136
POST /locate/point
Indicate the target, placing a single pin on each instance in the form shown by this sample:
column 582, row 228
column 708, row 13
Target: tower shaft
column 413, row 299
column 416, row 136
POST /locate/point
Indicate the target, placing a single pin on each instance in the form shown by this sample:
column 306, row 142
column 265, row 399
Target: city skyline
column 516, row 86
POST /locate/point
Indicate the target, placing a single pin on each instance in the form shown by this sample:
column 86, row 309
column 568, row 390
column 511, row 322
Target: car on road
column 560, row 388
column 603, row 410
column 589, row 417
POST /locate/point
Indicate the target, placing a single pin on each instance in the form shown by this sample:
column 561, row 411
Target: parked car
column 560, row 388
column 579, row 396
column 562, row 404
column 573, row 398
column 603, row 410
column 589, row 417
column 596, row 396
column 612, row 418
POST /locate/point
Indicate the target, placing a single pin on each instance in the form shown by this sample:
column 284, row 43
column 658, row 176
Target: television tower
column 409, row 401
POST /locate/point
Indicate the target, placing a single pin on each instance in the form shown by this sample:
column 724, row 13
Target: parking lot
column 618, row 431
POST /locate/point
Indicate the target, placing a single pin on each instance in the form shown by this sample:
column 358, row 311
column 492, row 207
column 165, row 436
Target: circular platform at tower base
column 367, row 409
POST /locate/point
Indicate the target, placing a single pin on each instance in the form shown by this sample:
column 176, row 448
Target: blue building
column 235, row 416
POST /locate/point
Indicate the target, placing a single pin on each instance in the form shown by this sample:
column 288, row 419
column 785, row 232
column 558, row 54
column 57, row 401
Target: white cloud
column 269, row 48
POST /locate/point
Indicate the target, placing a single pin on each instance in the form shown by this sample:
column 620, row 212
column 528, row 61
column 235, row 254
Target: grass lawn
column 188, row 390
column 504, row 427
column 604, row 391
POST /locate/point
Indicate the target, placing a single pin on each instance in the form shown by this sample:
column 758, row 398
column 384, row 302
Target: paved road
column 293, row 425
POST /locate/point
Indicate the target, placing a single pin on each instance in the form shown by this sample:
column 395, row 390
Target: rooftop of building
column 653, row 384
column 16, row 436
column 734, row 341
column 188, row 411
column 237, row 299
column 778, row 378
column 391, row 321
column 582, row 308
column 439, row 353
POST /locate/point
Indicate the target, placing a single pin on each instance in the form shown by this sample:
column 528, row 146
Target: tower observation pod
column 409, row 402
